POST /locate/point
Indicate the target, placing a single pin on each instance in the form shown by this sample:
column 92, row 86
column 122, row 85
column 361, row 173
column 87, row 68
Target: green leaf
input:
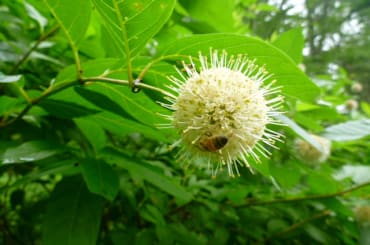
column 352, row 130
column 185, row 236
column 148, row 173
column 131, row 23
column 100, row 99
column 93, row 132
column 364, row 234
column 139, row 106
column 219, row 13
column 276, row 224
column 92, row 68
column 64, row 109
column 152, row 214
column 262, row 167
column 292, row 43
column 73, row 16
column 321, row 183
column 100, row 178
column 31, row 151
column 109, row 121
column 122, row 126
column 288, row 176
column 294, row 82
column 73, row 215
column 8, row 104
column 299, row 131
column 318, row 235
column 338, row 207
column 145, row 236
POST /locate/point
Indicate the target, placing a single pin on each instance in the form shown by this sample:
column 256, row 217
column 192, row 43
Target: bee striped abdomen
column 213, row 143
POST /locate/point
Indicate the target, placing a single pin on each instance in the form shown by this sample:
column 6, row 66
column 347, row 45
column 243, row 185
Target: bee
column 213, row 143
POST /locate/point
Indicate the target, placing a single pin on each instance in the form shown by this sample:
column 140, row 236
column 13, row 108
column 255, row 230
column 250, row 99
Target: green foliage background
column 82, row 161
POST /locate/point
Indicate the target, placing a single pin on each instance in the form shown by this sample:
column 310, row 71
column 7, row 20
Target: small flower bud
column 362, row 214
column 356, row 87
column 351, row 105
column 309, row 154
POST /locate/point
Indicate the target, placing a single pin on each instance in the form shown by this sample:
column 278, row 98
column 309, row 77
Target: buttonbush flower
column 309, row 154
column 362, row 214
column 221, row 110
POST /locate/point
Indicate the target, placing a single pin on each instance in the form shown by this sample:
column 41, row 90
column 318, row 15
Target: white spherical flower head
column 221, row 111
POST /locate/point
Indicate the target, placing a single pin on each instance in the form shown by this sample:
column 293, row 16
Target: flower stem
column 298, row 199
column 42, row 38
column 125, row 82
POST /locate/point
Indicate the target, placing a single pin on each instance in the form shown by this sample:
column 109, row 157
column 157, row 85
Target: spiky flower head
column 309, row 154
column 221, row 110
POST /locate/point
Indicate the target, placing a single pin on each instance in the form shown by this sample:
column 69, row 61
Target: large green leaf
column 294, row 82
column 94, row 133
column 122, row 126
column 351, row 130
column 287, row 176
column 320, row 183
column 31, row 151
column 107, row 120
column 131, row 23
column 100, row 178
column 73, row 16
column 100, row 99
column 148, row 173
column 218, row 13
column 73, row 215
column 64, row 109
column 8, row 104
column 138, row 106
column 292, row 43
column 152, row 214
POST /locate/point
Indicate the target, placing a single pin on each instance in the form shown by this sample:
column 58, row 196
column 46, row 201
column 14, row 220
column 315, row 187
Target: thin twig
column 298, row 199
column 33, row 48
column 296, row 226
column 125, row 82
column 47, row 93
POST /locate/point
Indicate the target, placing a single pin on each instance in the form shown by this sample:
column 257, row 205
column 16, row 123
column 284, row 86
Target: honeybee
column 213, row 143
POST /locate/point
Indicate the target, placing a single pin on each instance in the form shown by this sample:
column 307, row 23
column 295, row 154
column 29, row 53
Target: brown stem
column 298, row 199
